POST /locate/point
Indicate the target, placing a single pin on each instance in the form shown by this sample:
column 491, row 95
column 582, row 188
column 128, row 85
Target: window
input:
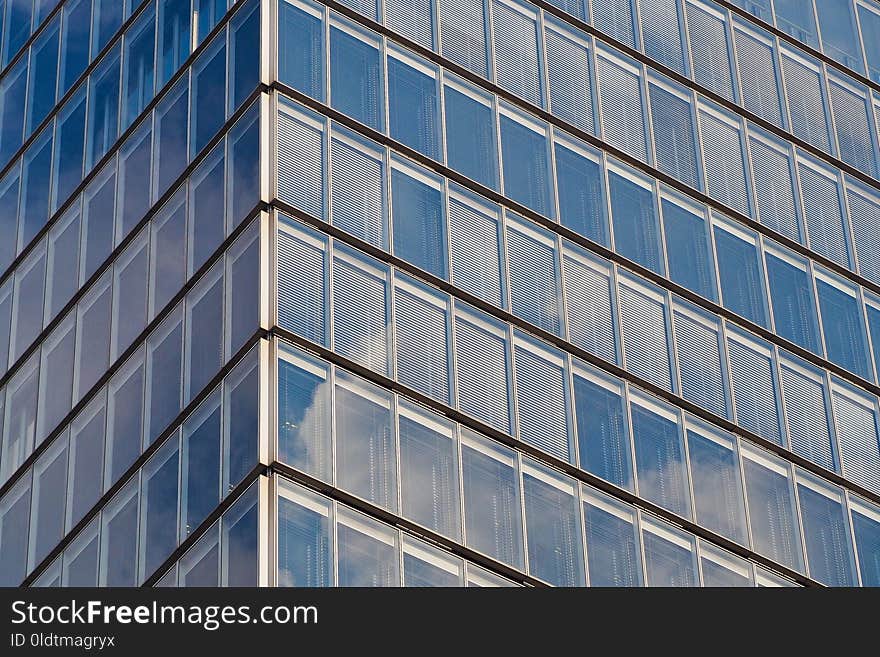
column 135, row 164
column 300, row 47
column 724, row 160
column 367, row 551
column 206, row 225
column 826, row 532
column 589, row 304
column 361, row 310
column 244, row 55
column 92, row 336
column 241, row 420
column 208, row 93
column 804, row 82
column 620, row 91
column 669, row 556
column 803, row 391
column 688, row 248
column 843, row 326
column 635, row 222
column 304, row 413
column 243, row 176
column 482, row 365
column 36, row 180
column 532, row 272
column 159, row 497
column 357, row 169
column 47, row 501
column 125, row 413
column 699, row 358
column 872, row 308
column 168, row 246
column 857, row 436
column 74, row 42
column 542, row 397
column 718, row 494
column 721, row 568
column 413, row 110
column 674, row 141
column 27, row 311
column 866, row 527
column 742, row 283
column 103, row 116
column 754, row 387
column 14, row 516
column 238, row 541
column 840, row 39
column 99, row 204
column 5, row 321
column 209, row 13
column 200, row 464
column 119, row 538
column 43, row 67
column 615, row 17
column 204, row 331
column 429, row 471
column 302, row 281
column 709, row 52
column 130, row 287
column 365, row 453
column 170, row 157
column 106, row 19
column 174, row 37
column 9, row 215
column 662, row 33
column 869, row 20
column 418, row 218
column 56, row 382
column 796, row 18
column 200, row 565
column 300, row 143
column 475, row 246
column 554, row 533
column 643, row 324
column 423, row 344
column 137, row 81
column 581, row 190
column 516, row 50
column 569, row 76
column 757, row 72
column 81, row 558
column 822, row 208
column 525, row 163
column 864, row 211
column 613, row 548
column 243, row 298
column 603, row 438
column 470, row 133
column 355, row 75
column 492, row 512
column 463, row 33
column 791, row 295
column 304, row 532
column 164, row 374
column 769, row 494
column 13, row 90
column 853, row 126
column 774, row 185
column 660, row 463
column 424, row 565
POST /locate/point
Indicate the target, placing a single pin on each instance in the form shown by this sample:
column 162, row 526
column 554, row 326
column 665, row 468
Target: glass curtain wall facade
column 440, row 293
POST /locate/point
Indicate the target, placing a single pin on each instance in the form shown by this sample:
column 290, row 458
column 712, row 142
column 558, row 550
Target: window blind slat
column 589, row 309
column 568, row 71
column 621, row 99
column 674, row 140
column 709, row 51
column 421, row 346
column 699, row 364
column 357, row 192
column 301, row 287
column 807, row 420
column 725, row 167
column 823, row 214
column 300, row 165
column 774, row 189
column 757, row 71
column 360, row 317
column 754, row 392
column 857, row 437
column 474, row 252
column 516, row 53
column 541, row 403
column 482, row 374
column 644, row 336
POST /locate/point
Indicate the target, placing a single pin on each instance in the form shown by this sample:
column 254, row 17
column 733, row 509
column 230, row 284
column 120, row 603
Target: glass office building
column 440, row 292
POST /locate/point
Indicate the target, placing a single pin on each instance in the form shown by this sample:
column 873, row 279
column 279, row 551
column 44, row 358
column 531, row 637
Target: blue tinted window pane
column 138, row 74
column 43, row 72
column 303, row 418
column 171, row 151
column 14, row 518
column 771, row 514
column 526, row 173
column 8, row 222
column 165, row 355
column 241, row 420
column 35, row 184
column 303, row 545
column 201, row 465
column 412, row 108
column 602, row 435
column 470, row 138
column 356, row 86
column 718, row 495
column 159, row 517
column 581, row 194
column 741, row 281
column 791, row 294
column 867, row 533
column 106, row 19
column 63, row 271
column 74, row 42
column 613, row 555
column 206, row 226
column 18, row 27
column 204, row 334
column 660, row 464
column 13, row 90
column 243, row 179
column 687, row 250
column 419, row 230
column 98, row 207
column 870, row 24
column 826, row 535
column 69, row 136
column 838, row 26
column 796, row 18
column 209, row 12
column 169, row 251
column 843, row 328
column 119, row 538
column 209, row 93
column 667, row 563
column 244, row 54
column 239, row 541
column 86, row 461
column 636, row 233
column 174, row 36
column 126, row 422
column 873, row 329
column 134, row 179
column 103, row 109
column 367, row 554
column 93, row 339
column 300, row 52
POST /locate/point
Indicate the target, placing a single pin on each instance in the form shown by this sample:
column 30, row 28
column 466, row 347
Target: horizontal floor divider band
column 132, row 235
column 151, row 449
column 574, row 350
column 577, row 238
column 112, row 150
column 563, row 466
column 586, row 136
column 136, row 344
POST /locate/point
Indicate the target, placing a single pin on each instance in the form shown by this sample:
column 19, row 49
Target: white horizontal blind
column 725, row 165
column 774, row 189
column 540, row 393
column 531, row 262
column 662, row 33
column 365, row 7
column 463, row 33
column 754, row 391
column 864, row 212
column 422, row 344
column 568, row 72
column 806, row 106
column 709, row 53
column 823, row 214
column 674, row 142
column 615, row 18
column 481, row 372
column 643, row 321
column 302, row 291
column 853, row 128
column 516, row 51
column 621, row 100
column 411, row 18
column 356, row 185
column 857, row 437
column 475, row 252
column 807, row 419
column 360, row 318
column 589, row 307
column 757, row 71
column 699, row 363
column 301, row 163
